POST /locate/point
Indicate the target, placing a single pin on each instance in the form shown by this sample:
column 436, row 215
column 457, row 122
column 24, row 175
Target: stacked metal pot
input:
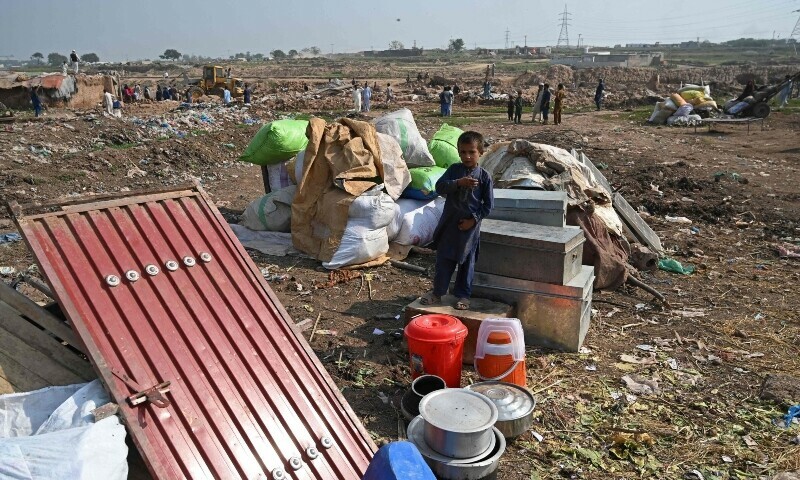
column 455, row 434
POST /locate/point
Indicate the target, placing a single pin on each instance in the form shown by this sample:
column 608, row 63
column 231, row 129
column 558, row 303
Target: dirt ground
column 726, row 328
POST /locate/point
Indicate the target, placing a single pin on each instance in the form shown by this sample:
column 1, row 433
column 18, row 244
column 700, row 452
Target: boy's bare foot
column 430, row 299
column 462, row 304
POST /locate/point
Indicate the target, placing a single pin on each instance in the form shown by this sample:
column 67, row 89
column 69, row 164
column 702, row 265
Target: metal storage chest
column 530, row 252
column 553, row 316
column 538, row 207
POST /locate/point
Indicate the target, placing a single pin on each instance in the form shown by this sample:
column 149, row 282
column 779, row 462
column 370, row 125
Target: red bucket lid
column 436, row 328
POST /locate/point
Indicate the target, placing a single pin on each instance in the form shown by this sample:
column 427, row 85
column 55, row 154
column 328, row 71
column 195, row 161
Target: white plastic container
column 500, row 351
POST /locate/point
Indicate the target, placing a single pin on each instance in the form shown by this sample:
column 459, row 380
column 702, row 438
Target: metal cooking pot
column 458, row 422
column 482, row 467
column 514, row 404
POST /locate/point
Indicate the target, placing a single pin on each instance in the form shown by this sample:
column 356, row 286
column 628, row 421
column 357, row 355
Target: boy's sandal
column 462, row 304
column 430, row 299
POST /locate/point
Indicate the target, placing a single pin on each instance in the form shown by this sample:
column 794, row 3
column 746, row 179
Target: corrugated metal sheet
column 248, row 397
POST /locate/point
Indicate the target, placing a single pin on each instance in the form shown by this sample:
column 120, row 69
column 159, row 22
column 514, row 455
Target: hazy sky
column 145, row 28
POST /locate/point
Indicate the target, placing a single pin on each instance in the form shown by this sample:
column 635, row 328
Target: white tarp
column 50, row 434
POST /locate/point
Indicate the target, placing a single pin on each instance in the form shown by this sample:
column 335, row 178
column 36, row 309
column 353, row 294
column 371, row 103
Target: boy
column 518, row 108
column 468, row 188
column 545, row 103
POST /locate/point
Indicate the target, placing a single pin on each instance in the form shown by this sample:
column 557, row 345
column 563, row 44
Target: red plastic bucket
column 435, row 346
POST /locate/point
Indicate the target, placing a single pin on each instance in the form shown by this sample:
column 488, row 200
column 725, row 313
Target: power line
column 507, row 32
column 796, row 32
column 563, row 36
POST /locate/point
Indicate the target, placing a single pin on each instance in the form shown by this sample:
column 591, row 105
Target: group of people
column 541, row 104
column 73, row 58
column 362, row 96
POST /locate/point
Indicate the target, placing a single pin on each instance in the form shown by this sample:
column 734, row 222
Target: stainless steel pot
column 458, row 422
column 482, row 467
column 514, row 404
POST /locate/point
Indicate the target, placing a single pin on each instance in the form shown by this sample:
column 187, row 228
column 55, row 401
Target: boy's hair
column 561, row 86
column 471, row 137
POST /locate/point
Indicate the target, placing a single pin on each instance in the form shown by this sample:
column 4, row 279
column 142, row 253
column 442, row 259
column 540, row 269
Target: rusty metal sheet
column 243, row 394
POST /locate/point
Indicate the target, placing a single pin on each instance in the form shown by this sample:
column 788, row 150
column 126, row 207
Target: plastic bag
column 276, row 142
column 423, row 183
column 677, row 100
column 272, row 212
column 671, row 265
column 396, row 176
column 401, row 126
column 359, row 244
column 444, row 146
column 417, row 220
column 278, row 176
column 374, row 207
column 690, row 94
column 684, row 110
column 701, row 88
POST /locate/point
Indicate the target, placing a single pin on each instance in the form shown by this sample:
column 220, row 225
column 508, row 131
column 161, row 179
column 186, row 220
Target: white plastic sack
column 359, row 245
column 401, row 126
column 394, row 226
column 373, row 207
column 51, row 434
column 395, row 171
column 297, row 163
column 272, row 212
column 417, row 220
column 278, row 177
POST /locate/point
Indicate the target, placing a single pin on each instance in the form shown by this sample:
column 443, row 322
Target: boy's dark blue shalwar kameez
column 456, row 248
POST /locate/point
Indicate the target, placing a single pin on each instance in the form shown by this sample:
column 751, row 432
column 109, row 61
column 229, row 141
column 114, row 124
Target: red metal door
column 160, row 290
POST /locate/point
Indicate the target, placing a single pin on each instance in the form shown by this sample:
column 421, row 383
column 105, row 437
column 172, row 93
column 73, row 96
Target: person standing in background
column 37, row 102
column 226, row 96
column 598, row 94
column 545, row 103
column 389, row 93
column 518, row 108
column 75, row 60
column 558, row 104
column 248, row 93
column 446, row 102
column 510, row 107
column 108, row 102
column 537, row 105
column 64, row 68
column 357, row 97
column 367, row 94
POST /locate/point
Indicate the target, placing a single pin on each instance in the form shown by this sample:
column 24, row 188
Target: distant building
column 401, row 52
column 607, row 59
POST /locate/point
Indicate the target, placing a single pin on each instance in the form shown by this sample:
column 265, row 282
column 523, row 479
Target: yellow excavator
column 213, row 82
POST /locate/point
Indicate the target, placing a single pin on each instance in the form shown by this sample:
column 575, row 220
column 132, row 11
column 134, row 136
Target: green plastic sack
column 444, row 146
column 276, row 142
column 423, row 182
column 671, row 265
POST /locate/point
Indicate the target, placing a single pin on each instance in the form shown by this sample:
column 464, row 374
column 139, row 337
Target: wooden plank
column 640, row 229
column 19, row 378
column 28, row 308
column 36, row 361
column 44, row 343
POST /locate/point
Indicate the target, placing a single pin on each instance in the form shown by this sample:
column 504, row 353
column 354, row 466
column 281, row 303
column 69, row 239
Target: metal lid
column 416, row 435
column 511, row 400
column 458, row 410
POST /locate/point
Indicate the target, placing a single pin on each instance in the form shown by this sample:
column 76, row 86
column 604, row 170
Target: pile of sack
column 686, row 107
column 345, row 190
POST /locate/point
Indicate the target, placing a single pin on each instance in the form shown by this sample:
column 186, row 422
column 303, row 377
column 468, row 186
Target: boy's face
column 469, row 154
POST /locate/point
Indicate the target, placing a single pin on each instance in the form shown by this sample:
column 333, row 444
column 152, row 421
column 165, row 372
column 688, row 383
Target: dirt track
column 728, row 325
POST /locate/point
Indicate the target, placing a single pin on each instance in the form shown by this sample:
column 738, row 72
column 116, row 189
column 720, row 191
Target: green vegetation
column 123, row 146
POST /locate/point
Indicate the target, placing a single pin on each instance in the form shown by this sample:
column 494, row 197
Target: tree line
column 56, row 59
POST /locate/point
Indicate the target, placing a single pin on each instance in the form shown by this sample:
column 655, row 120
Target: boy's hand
column 467, row 182
column 466, row 224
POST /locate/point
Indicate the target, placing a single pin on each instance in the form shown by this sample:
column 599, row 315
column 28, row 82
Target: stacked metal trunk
column 529, row 257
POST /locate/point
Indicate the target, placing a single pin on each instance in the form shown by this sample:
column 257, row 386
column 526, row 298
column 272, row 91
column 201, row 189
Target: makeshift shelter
column 81, row 91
